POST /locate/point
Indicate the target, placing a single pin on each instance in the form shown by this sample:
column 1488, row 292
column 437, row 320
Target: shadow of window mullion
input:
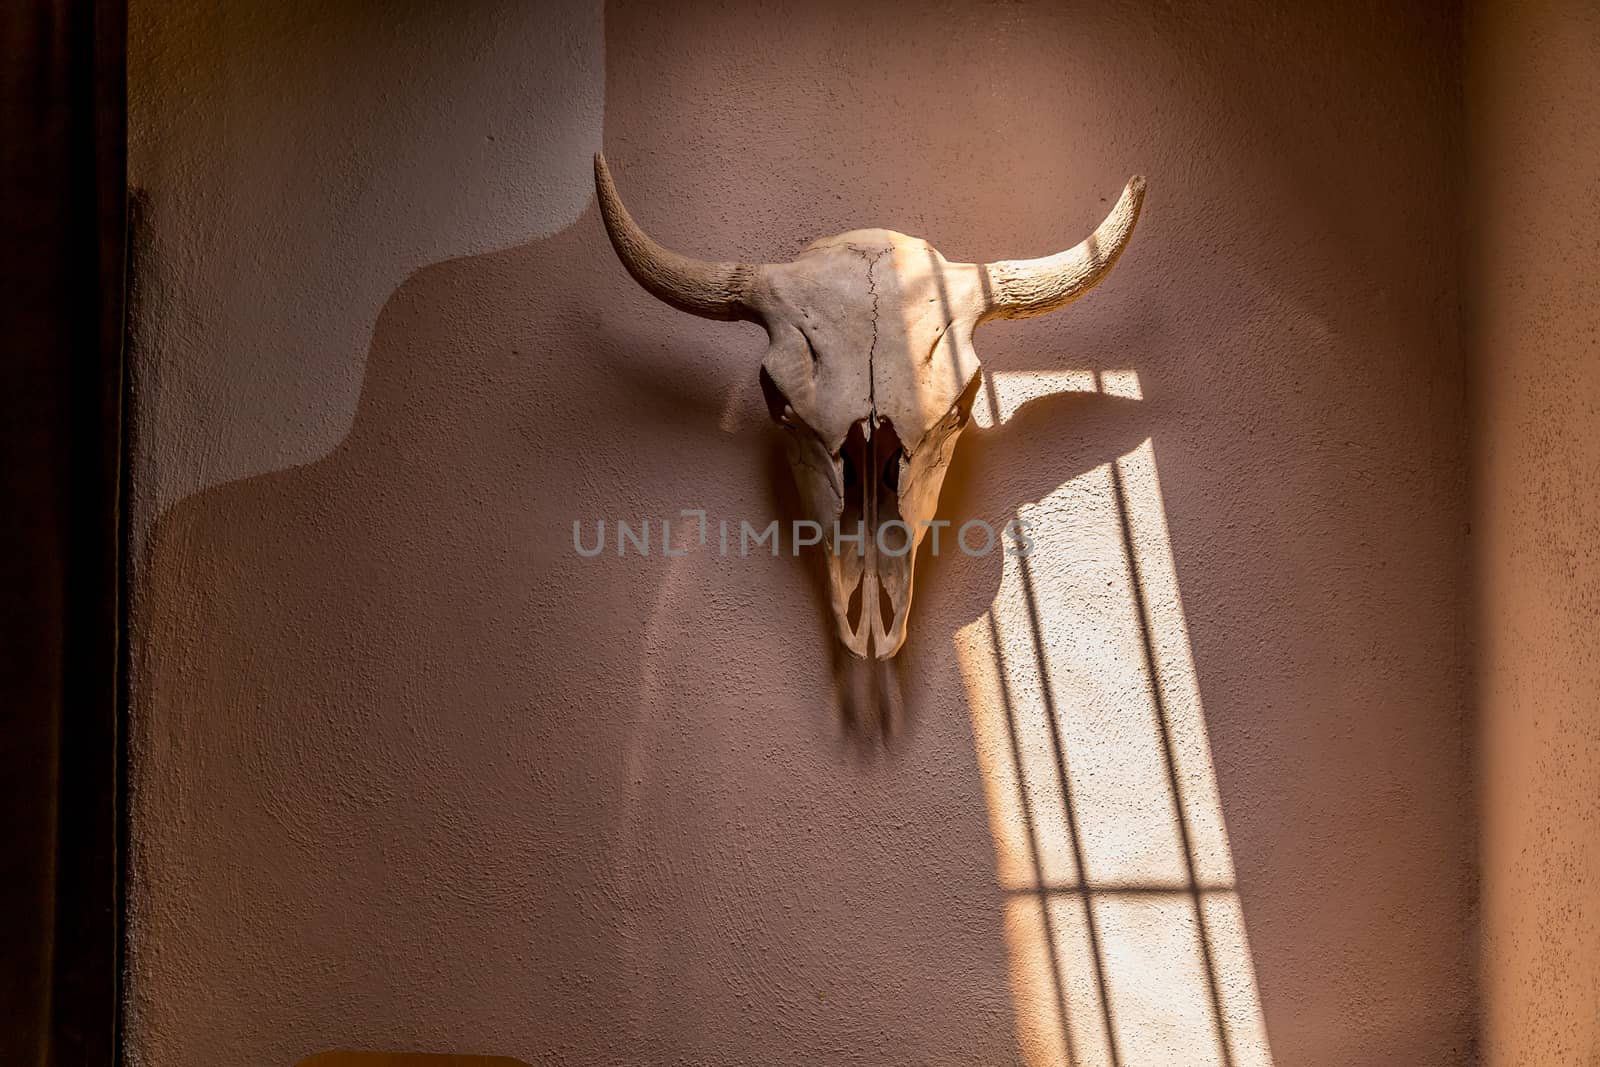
column 1047, row 695
column 1040, row 892
column 1136, row 583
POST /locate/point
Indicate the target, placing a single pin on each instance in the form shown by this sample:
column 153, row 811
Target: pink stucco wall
column 408, row 774
column 1533, row 89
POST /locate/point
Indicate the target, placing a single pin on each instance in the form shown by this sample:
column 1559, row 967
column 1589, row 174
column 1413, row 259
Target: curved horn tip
column 1023, row 288
column 710, row 290
column 602, row 174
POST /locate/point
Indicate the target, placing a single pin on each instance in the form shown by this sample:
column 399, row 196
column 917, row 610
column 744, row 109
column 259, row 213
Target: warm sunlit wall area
column 1123, row 921
column 407, row 774
column 1533, row 91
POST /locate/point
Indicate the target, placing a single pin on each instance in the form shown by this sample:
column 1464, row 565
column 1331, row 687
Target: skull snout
column 871, row 548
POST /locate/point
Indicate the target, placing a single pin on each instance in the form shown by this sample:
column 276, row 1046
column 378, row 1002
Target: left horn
column 1019, row 288
column 710, row 290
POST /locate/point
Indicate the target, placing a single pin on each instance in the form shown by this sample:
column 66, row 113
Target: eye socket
column 776, row 401
column 810, row 347
column 964, row 402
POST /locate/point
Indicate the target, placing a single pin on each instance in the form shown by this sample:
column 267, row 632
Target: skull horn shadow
column 1047, row 443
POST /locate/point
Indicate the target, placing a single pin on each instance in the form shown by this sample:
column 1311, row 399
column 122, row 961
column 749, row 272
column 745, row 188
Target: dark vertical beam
column 62, row 176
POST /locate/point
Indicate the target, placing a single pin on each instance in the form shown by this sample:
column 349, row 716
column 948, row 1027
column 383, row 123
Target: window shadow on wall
column 1123, row 920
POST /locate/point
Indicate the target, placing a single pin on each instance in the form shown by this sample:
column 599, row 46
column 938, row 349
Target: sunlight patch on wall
column 1125, row 930
column 1003, row 392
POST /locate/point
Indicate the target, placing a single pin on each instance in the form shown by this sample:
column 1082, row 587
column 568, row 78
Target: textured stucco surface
column 409, row 774
column 297, row 161
column 1533, row 90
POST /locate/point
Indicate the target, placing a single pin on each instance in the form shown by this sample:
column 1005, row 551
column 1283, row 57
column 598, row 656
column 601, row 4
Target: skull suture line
column 871, row 370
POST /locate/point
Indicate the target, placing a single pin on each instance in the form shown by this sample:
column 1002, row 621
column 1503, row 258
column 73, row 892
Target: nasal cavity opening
column 887, row 452
column 852, row 611
column 891, row 472
column 885, row 609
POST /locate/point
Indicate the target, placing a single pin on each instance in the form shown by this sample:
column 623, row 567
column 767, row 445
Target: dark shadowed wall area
column 1533, row 89
column 410, row 774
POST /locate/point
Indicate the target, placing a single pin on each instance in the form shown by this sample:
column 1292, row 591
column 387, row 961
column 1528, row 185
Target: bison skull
column 870, row 369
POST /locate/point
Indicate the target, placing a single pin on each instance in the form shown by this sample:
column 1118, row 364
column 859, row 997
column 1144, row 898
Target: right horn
column 710, row 290
column 1018, row 288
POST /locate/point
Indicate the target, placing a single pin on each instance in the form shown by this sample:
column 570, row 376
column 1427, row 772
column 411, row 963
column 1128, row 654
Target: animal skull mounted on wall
column 870, row 369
